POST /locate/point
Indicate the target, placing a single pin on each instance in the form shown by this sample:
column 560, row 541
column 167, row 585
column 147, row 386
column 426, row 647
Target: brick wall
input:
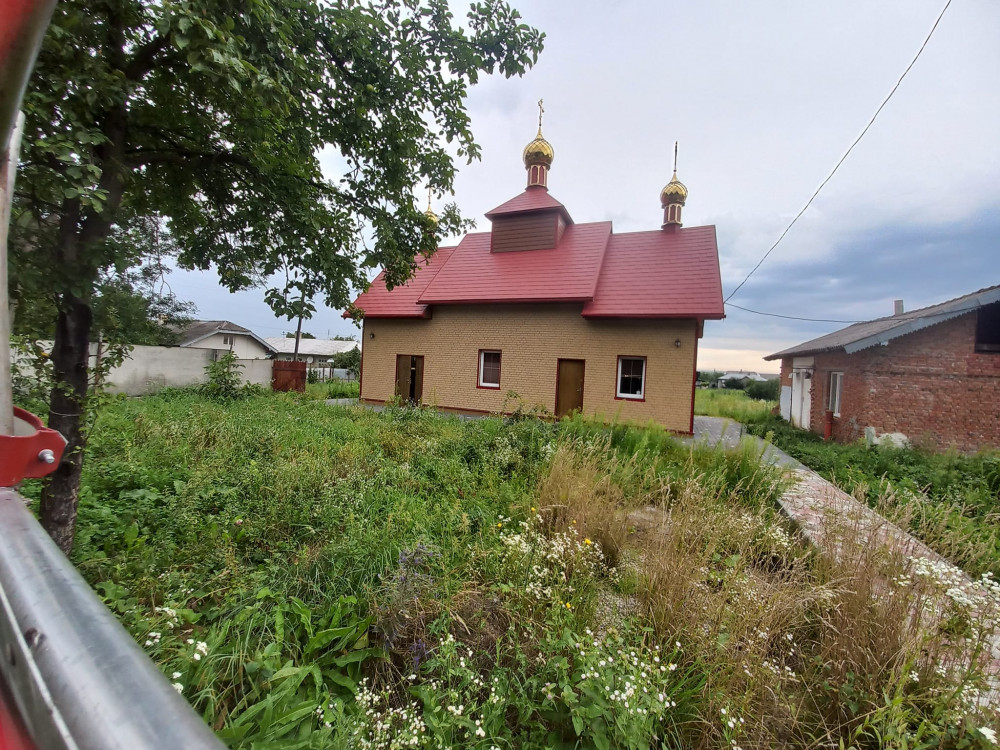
column 930, row 385
column 532, row 338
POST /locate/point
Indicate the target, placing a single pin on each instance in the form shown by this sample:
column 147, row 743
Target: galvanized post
column 8, row 170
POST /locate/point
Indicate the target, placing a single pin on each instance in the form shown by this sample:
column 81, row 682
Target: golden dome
column 429, row 213
column 538, row 152
column 674, row 192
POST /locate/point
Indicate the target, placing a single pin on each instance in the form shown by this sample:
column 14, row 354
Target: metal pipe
column 8, row 169
column 78, row 677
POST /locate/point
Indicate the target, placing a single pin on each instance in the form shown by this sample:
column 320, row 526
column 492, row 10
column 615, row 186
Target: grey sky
column 764, row 98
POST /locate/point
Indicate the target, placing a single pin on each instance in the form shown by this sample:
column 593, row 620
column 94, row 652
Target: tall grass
column 950, row 501
column 315, row 576
column 732, row 404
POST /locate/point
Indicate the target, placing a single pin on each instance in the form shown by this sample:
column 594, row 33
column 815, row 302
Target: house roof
column 566, row 273
column 199, row 330
column 531, row 200
column 316, row 347
column 660, row 274
column 657, row 274
column 401, row 302
column 870, row 333
column 753, row 376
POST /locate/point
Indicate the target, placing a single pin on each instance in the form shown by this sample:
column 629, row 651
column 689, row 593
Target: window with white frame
column 836, row 385
column 631, row 377
column 489, row 369
column 228, row 340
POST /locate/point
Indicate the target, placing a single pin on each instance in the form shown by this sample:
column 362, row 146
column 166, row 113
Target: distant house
column 931, row 374
column 311, row 351
column 221, row 334
column 567, row 316
column 742, row 378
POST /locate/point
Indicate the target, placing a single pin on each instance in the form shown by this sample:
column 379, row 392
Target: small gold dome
column 674, row 192
column 429, row 213
column 538, row 152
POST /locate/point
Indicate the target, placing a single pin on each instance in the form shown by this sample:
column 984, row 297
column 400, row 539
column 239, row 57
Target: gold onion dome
column 429, row 213
column 538, row 152
column 674, row 192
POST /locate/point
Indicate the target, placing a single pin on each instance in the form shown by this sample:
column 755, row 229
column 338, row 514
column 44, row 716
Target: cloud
column 764, row 100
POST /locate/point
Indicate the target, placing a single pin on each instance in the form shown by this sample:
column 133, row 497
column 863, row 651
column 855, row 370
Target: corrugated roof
column 882, row 330
column 565, row 273
column 531, row 200
column 657, row 274
column 660, row 274
column 316, row 347
column 401, row 302
column 199, row 329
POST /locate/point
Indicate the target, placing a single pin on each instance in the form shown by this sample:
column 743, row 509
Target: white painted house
column 224, row 335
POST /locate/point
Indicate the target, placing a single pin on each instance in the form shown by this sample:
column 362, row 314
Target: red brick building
column 931, row 374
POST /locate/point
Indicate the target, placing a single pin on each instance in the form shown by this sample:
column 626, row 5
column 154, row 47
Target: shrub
column 224, row 380
column 767, row 390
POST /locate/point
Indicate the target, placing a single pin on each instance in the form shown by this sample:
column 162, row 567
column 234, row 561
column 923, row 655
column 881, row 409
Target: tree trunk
column 298, row 338
column 70, row 355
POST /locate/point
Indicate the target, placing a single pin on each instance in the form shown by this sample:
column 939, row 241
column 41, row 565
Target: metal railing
column 77, row 677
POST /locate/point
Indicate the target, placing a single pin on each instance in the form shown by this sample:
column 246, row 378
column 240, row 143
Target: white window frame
column 482, row 362
column 228, row 339
column 836, row 392
column 641, row 395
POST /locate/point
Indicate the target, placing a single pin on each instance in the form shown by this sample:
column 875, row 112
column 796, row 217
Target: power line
column 904, row 316
column 847, row 153
column 792, row 317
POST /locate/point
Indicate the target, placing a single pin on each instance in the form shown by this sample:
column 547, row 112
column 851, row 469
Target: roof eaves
column 905, row 327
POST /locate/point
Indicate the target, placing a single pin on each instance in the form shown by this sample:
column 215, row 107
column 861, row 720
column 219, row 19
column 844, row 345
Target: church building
column 567, row 316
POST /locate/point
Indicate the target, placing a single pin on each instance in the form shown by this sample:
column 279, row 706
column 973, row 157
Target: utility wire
column 904, row 316
column 792, row 317
column 847, row 153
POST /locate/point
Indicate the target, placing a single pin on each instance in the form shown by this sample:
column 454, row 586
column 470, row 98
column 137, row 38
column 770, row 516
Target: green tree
column 211, row 114
column 132, row 302
column 349, row 360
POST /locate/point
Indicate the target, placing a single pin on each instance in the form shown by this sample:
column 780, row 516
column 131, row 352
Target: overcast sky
column 764, row 98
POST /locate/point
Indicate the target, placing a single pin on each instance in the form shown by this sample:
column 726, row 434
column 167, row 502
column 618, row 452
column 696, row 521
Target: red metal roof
column 668, row 273
column 660, row 274
column 567, row 272
column 401, row 302
column 531, row 200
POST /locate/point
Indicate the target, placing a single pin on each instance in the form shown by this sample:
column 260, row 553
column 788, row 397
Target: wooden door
column 409, row 377
column 403, row 376
column 417, row 380
column 569, row 386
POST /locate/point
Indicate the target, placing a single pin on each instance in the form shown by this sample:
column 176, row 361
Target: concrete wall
column 244, row 347
column 930, row 385
column 531, row 339
column 151, row 368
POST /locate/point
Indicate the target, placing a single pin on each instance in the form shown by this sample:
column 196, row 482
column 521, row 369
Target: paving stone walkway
column 829, row 517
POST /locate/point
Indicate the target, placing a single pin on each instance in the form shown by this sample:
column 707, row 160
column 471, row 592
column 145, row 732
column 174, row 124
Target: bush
column 224, row 380
column 766, row 391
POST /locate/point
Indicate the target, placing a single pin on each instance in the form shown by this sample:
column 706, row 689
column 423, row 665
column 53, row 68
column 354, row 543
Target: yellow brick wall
column 532, row 338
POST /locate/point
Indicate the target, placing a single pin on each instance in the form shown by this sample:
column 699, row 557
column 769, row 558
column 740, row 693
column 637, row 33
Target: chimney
column 897, row 307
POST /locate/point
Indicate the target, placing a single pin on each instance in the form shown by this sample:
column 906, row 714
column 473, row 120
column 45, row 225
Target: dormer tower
column 538, row 157
column 672, row 198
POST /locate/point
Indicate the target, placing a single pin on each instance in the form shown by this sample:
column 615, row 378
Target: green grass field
column 312, row 576
column 733, row 404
